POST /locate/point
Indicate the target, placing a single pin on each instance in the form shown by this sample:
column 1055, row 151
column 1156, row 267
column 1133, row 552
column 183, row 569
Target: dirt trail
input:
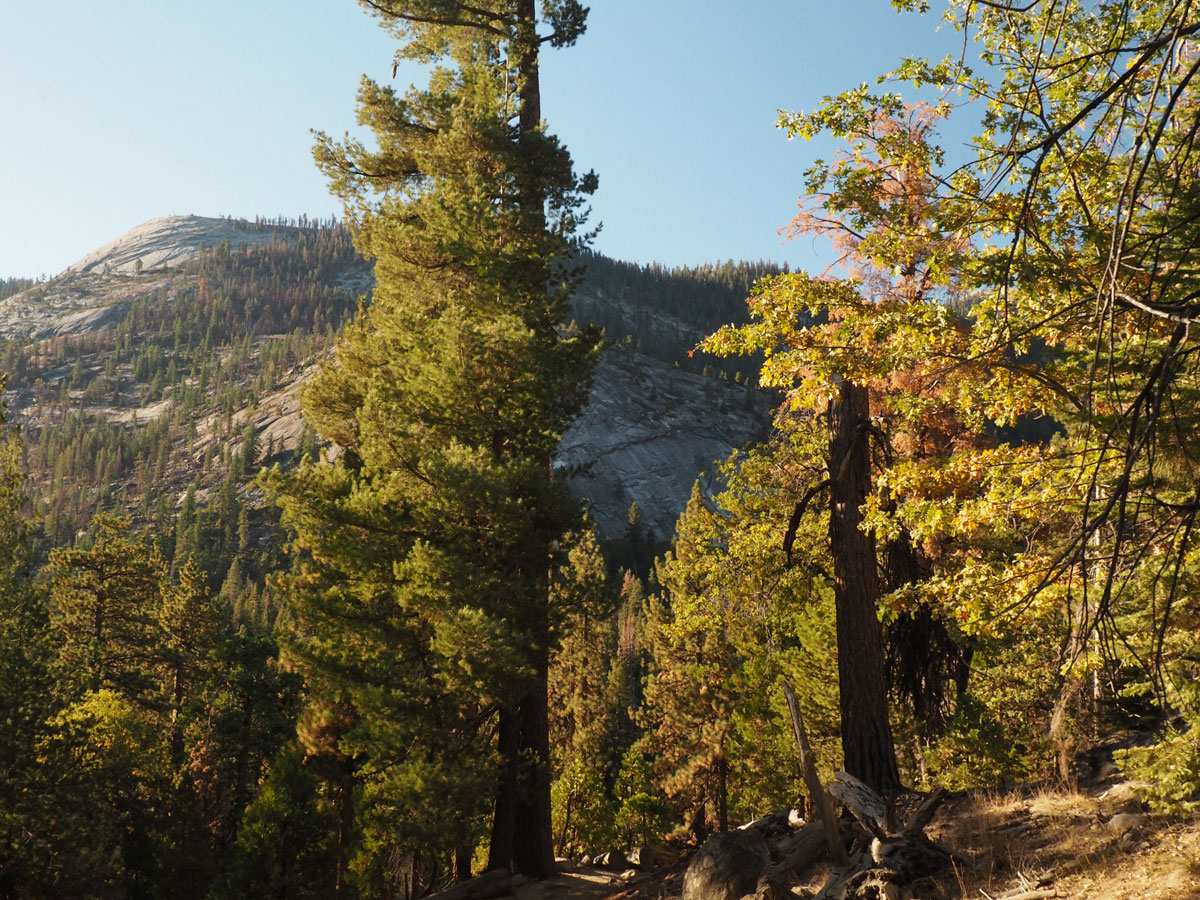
column 573, row 882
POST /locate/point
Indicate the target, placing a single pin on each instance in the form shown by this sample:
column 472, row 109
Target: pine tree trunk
column 533, row 854
column 177, row 718
column 722, row 794
column 345, row 804
column 533, row 843
column 867, row 745
column 462, row 864
column 500, row 851
column 527, row 60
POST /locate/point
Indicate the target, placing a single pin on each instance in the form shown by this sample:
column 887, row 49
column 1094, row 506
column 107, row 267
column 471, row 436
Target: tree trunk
column 500, row 851
column 533, row 853
column 867, row 743
column 462, row 863
column 722, row 794
column 345, row 802
column 816, row 791
column 527, row 60
column 531, row 842
column 177, row 717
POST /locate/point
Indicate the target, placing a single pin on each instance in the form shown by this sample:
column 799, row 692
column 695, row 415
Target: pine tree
column 282, row 848
column 688, row 712
column 183, row 528
column 585, row 712
column 189, row 622
column 425, row 609
column 102, row 605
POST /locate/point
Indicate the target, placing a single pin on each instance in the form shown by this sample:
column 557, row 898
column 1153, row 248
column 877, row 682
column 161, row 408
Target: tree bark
column 533, row 853
column 867, row 744
column 462, row 864
column 345, row 802
column 500, row 850
column 522, row 836
column 722, row 794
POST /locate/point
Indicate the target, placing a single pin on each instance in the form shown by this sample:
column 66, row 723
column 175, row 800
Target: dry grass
column 1068, row 842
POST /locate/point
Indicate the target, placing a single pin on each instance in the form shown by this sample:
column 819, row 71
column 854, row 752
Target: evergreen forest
column 295, row 599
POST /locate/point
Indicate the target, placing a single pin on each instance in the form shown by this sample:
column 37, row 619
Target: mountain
column 173, row 357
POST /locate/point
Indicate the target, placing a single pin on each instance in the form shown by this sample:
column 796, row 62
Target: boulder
column 612, row 859
column 727, row 867
column 1125, row 823
column 648, row 858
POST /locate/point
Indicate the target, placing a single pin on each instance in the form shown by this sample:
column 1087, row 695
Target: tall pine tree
column 424, row 610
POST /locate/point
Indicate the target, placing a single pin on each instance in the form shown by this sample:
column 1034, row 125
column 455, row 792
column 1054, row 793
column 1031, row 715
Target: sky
column 113, row 113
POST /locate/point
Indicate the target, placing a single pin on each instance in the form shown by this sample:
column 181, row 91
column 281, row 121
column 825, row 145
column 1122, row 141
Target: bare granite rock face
column 649, row 431
column 70, row 305
column 97, row 290
column 173, row 240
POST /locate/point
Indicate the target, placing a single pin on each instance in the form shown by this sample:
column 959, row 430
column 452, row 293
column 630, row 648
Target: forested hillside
column 127, row 415
column 129, row 388
column 667, row 312
column 329, row 578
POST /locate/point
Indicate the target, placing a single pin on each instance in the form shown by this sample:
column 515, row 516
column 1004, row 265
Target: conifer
column 425, row 609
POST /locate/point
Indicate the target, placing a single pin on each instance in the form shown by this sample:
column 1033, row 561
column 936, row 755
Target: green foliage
column 687, row 713
column 642, row 814
column 133, row 744
column 1167, row 773
column 584, row 814
column 102, row 611
column 1081, row 217
column 284, row 846
column 977, row 748
column 26, row 687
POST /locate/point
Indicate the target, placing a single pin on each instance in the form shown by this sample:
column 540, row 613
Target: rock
column 173, row 240
column 647, row 433
column 727, row 867
column 613, row 859
column 1124, row 823
column 771, row 824
column 647, row 858
column 586, row 860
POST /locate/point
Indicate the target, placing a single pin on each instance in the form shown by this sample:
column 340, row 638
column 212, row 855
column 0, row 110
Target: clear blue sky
column 112, row 113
